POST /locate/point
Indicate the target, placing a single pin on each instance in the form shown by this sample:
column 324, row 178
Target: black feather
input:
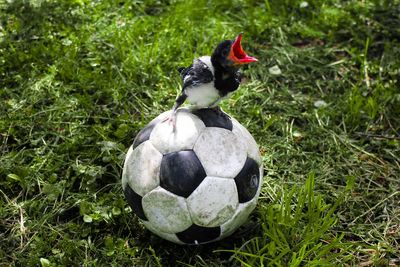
column 198, row 73
column 181, row 69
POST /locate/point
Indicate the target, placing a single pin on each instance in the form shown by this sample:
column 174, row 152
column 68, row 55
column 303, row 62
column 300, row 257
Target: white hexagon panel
column 246, row 137
column 220, row 152
column 142, row 168
column 167, row 140
column 213, row 202
column 166, row 211
column 196, row 183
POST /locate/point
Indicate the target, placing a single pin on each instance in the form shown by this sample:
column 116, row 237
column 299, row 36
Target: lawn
column 79, row 79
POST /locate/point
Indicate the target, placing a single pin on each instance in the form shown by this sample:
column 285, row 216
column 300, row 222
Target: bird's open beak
column 237, row 54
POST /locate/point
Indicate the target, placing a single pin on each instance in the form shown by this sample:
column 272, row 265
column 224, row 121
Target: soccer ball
column 195, row 184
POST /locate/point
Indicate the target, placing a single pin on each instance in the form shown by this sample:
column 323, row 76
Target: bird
column 210, row 79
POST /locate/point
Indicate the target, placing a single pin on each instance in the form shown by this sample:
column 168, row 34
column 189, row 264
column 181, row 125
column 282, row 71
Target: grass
column 80, row 78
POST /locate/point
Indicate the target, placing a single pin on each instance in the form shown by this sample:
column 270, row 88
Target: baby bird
column 211, row 79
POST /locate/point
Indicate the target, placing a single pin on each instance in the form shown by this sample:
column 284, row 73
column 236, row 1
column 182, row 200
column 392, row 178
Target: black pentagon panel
column 214, row 117
column 181, row 172
column 135, row 201
column 198, row 234
column 247, row 180
column 144, row 134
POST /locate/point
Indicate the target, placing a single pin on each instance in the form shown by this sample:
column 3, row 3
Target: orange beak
column 237, row 54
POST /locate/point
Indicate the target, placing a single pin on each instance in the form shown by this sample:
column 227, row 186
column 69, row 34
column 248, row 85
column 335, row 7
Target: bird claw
column 171, row 120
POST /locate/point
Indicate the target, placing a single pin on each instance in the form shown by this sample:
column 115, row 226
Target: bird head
column 230, row 53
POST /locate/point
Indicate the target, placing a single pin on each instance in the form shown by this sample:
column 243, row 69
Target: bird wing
column 196, row 74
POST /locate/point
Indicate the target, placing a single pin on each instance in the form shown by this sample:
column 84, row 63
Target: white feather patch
column 202, row 96
column 207, row 61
